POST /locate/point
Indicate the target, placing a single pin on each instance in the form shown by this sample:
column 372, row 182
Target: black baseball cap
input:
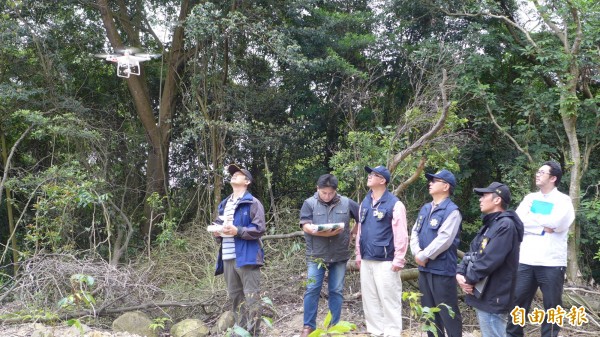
column 499, row 188
column 233, row 168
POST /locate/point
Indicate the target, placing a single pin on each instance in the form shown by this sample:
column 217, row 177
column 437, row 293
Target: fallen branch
column 101, row 312
column 283, row 236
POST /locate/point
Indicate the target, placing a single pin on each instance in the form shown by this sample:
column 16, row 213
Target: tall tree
column 125, row 22
column 558, row 42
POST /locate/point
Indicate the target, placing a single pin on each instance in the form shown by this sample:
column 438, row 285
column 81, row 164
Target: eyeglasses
column 373, row 174
column 541, row 173
column 433, row 181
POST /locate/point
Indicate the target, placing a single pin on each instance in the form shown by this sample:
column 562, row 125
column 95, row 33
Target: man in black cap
column 241, row 254
column 487, row 273
column 434, row 244
column 381, row 244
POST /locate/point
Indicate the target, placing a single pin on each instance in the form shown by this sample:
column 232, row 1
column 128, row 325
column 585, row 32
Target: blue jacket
column 249, row 218
column 376, row 234
column 428, row 224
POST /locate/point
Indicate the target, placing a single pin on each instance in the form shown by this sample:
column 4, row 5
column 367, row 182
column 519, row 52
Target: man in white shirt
column 546, row 216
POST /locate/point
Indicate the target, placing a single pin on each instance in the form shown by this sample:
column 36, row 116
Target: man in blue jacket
column 488, row 272
column 434, row 244
column 241, row 253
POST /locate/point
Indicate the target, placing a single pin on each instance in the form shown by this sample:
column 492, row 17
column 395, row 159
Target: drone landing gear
column 126, row 69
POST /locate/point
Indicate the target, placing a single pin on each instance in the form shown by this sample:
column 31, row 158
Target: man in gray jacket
column 327, row 241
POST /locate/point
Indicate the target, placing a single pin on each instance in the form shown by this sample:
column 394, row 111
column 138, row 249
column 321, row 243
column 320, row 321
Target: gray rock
column 225, row 321
column 189, row 328
column 39, row 330
column 135, row 322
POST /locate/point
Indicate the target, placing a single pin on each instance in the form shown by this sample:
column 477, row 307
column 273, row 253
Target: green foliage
column 424, row 315
column 241, row 332
column 76, row 323
column 33, row 315
column 61, row 193
column 159, row 323
column 590, row 209
column 81, row 295
column 339, row 329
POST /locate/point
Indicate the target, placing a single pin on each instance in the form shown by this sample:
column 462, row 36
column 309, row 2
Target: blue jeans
column 550, row 280
column 316, row 274
column 492, row 325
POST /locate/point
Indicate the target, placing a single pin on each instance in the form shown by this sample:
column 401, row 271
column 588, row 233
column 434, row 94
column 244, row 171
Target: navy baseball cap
column 381, row 170
column 495, row 187
column 445, row 175
column 233, row 168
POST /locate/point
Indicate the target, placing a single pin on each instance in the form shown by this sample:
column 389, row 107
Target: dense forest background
column 120, row 169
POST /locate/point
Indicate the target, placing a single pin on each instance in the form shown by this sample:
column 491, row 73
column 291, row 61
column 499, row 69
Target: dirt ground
column 288, row 323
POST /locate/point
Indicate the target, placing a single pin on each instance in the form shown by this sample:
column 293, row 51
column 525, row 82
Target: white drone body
column 127, row 60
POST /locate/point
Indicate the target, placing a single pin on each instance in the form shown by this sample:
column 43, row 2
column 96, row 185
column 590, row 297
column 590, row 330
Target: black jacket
column 497, row 246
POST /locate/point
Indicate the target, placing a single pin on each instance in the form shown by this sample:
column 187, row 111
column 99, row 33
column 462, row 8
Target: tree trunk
column 569, row 118
column 9, row 208
column 158, row 132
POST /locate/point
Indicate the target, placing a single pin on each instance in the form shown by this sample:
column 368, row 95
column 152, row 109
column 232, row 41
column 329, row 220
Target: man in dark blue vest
column 434, row 244
column 381, row 244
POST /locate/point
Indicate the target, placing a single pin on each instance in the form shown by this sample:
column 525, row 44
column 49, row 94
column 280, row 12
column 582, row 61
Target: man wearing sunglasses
column 434, row 244
column 546, row 215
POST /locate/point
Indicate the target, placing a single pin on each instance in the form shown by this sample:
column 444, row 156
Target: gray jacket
column 333, row 248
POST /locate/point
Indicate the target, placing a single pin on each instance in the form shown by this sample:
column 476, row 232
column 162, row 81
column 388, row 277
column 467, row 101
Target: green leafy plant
column 241, row 332
column 80, row 292
column 80, row 296
column 159, row 323
column 425, row 315
column 326, row 329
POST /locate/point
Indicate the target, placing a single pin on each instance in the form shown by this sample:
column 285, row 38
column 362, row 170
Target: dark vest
column 376, row 235
column 332, row 248
column 428, row 223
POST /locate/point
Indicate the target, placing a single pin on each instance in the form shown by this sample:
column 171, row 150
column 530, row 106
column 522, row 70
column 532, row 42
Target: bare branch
column 514, row 141
column 9, row 158
column 413, row 178
column 495, row 16
column 557, row 31
column 439, row 124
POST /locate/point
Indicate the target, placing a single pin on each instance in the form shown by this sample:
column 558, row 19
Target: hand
column 230, row 230
column 358, row 264
column 395, row 268
column 548, row 230
column 420, row 262
column 462, row 283
column 334, row 232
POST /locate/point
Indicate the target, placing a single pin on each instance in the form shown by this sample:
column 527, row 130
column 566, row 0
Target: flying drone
column 127, row 60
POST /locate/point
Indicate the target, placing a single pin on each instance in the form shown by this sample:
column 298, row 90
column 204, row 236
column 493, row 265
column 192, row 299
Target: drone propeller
column 102, row 56
column 128, row 50
column 152, row 56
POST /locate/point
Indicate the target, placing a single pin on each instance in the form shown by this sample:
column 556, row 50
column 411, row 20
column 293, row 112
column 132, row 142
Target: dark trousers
column 243, row 288
column 550, row 280
column 438, row 289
